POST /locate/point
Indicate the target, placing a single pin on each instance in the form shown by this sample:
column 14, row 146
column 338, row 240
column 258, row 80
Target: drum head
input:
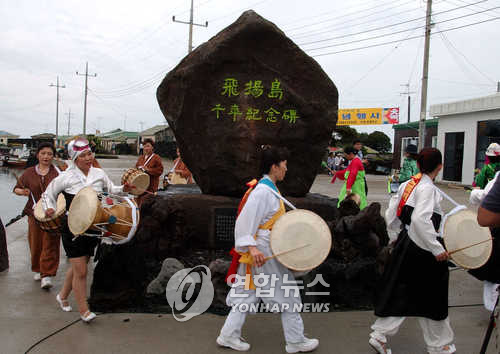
column 141, row 182
column 462, row 230
column 297, row 228
column 82, row 211
column 39, row 213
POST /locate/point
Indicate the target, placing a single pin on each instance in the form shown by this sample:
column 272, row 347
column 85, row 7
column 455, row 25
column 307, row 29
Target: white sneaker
column 379, row 346
column 233, row 343
column 446, row 349
column 308, row 345
column 37, row 277
column 46, row 283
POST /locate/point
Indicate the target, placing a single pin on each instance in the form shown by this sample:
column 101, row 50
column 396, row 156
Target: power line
column 378, row 63
column 478, row 6
column 216, row 19
column 459, row 82
column 386, row 26
column 302, row 19
column 342, row 16
column 121, row 114
column 328, row 29
column 397, row 32
column 409, row 38
column 445, row 38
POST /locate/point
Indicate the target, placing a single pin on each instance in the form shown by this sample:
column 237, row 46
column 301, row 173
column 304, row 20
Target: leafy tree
column 344, row 135
column 379, row 141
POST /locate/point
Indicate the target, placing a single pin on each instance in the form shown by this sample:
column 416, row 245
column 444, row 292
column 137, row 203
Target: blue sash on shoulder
column 269, row 183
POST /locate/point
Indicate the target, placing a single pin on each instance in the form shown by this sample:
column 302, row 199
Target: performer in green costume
column 354, row 177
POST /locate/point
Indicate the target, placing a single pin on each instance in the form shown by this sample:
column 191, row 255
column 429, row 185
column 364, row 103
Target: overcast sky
column 131, row 45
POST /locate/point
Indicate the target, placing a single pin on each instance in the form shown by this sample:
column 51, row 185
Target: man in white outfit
column 252, row 232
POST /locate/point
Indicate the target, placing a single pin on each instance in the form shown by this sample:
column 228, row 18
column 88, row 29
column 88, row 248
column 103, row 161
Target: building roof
column 414, row 125
column 4, row 133
column 154, row 130
column 43, row 136
column 485, row 103
column 119, row 134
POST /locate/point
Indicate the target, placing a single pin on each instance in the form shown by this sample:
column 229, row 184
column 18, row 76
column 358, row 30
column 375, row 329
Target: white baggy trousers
column 293, row 327
column 436, row 333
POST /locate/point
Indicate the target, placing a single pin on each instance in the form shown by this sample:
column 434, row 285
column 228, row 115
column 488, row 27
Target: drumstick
column 475, row 244
column 288, row 251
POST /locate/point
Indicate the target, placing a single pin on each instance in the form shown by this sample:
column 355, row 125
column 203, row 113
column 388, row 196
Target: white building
column 465, row 130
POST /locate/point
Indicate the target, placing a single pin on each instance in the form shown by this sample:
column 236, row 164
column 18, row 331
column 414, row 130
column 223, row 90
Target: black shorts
column 80, row 247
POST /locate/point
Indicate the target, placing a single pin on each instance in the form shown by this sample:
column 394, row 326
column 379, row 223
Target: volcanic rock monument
column 248, row 86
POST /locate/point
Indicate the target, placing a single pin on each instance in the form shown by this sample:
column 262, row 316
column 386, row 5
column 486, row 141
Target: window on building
column 404, row 143
column 487, row 132
column 434, row 141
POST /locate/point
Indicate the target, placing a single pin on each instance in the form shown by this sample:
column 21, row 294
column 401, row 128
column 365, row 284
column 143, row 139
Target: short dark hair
column 357, row 141
column 148, row 141
column 272, row 155
column 350, row 150
column 46, row 145
column 428, row 159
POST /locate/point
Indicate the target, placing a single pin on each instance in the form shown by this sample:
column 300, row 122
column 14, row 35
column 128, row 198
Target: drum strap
column 245, row 257
column 407, row 192
column 149, row 158
column 134, row 218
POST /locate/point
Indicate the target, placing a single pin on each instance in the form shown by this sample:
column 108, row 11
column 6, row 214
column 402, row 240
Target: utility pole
column 57, row 86
column 141, row 123
column 409, row 98
column 125, row 122
column 86, row 91
column 190, row 23
column 69, row 119
column 425, row 76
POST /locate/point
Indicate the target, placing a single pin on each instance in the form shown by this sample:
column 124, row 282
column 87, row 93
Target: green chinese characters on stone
column 271, row 115
column 218, row 108
column 254, row 88
column 230, row 87
column 235, row 112
column 252, row 114
column 290, row 115
column 276, row 90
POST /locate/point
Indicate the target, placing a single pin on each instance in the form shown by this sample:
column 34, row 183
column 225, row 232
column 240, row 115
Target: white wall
column 466, row 123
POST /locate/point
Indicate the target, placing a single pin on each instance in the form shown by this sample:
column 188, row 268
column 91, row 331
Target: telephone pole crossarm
column 190, row 23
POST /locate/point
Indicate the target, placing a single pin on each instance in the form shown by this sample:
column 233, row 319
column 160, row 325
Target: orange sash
column 245, row 257
column 407, row 192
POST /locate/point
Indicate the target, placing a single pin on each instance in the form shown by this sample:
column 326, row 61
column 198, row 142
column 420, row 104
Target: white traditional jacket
column 425, row 199
column 73, row 180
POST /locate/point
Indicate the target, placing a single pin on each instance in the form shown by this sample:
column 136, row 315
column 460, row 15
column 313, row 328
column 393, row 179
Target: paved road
column 29, row 314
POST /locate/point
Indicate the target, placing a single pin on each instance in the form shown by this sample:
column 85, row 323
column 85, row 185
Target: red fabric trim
column 407, row 192
column 233, row 268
